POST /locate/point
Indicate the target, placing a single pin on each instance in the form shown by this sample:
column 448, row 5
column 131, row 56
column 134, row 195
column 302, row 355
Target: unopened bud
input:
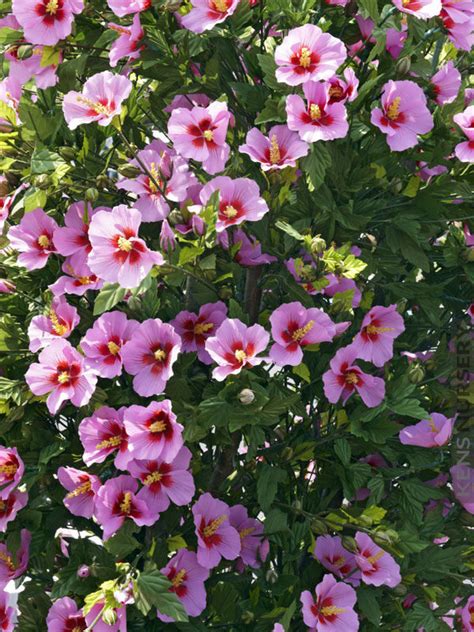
column 400, row 590
column 67, row 153
column 103, row 182
column 43, row 181
column 225, row 292
column 175, row 217
column 91, row 195
column 349, row 543
column 247, row 616
column 25, row 51
column 318, row 245
column 246, row 396
column 319, row 527
column 386, row 537
column 403, row 66
column 271, row 576
column 416, row 373
column 129, row 171
column 4, row 188
column 109, row 617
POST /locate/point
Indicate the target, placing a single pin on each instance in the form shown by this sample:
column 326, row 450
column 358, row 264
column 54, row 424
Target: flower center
column 44, row 241
column 52, row 7
column 63, row 377
column 9, row 470
column 178, row 579
column 300, row 333
column 208, row 134
column 113, row 347
column 373, row 329
column 393, row 110
column 336, row 91
column 431, row 423
column 275, row 155
column 124, row 244
column 202, row 328
column 155, row 172
column 80, row 489
column 3, row 505
column 58, row 329
column 351, row 378
column 375, row 558
column 120, row 29
column 305, row 57
column 154, row 477
column 245, row 532
column 158, row 426
column 213, row 526
column 126, row 504
column 159, row 355
column 240, row 355
column 84, row 280
column 99, row 108
column 314, row 112
column 230, row 211
column 112, row 442
column 330, row 611
column 77, row 629
column 8, row 560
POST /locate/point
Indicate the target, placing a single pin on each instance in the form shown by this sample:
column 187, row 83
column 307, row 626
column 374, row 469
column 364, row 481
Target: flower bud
column 400, row 590
column 103, row 182
column 67, row 153
column 287, row 453
column 349, row 543
column 319, row 527
column 175, row 217
column 25, row 51
column 4, row 188
column 403, row 66
column 247, row 616
column 271, row 576
column 129, row 171
column 225, row 292
column 6, row 287
column 109, row 617
column 246, row 396
column 83, row 571
column 91, row 195
column 416, row 373
column 167, row 238
column 43, row 181
column 318, row 245
column 386, row 537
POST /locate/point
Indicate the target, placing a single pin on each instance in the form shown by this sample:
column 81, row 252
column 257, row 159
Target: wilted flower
column 254, row 546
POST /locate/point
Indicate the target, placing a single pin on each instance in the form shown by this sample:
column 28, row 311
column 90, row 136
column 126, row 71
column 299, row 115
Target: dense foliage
column 288, row 333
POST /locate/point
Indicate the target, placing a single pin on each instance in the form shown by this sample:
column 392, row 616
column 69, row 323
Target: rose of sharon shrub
column 235, row 313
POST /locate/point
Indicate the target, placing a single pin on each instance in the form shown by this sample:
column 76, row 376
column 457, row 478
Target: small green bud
column 43, row 181
column 416, row 373
column 349, row 543
column 318, row 245
column 175, row 217
column 225, row 292
column 247, row 616
column 403, row 66
column 129, row 171
column 319, row 527
column 400, row 590
column 67, row 153
column 246, row 396
column 91, row 195
column 25, row 51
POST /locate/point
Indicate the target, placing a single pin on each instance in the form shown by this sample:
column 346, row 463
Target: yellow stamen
column 275, row 155
column 99, row 108
column 431, row 423
column 305, row 57
column 63, row 377
column 154, row 477
column 245, row 532
column 113, row 442
column 240, row 355
column 2, row 505
column 126, row 504
column 213, row 526
column 314, row 112
column 339, row 562
column 58, row 329
column 8, row 560
column 372, row 329
column 352, row 378
column 393, row 111
column 230, row 211
column 178, row 579
column 155, row 173
column 157, row 426
column 80, row 490
column 120, row 29
column 9, row 470
column 113, row 347
column 202, row 328
column 335, row 91
column 472, row 617
column 84, row 280
column 300, row 333
column 375, row 558
column 329, row 611
column 160, row 354
column 52, row 7
column 208, row 134
column 77, row 629
column 124, row 244
column 44, row 241
column 221, row 5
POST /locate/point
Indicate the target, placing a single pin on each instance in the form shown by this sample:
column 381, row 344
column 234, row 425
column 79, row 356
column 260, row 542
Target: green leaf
column 189, row 254
column 289, row 230
column 152, row 591
column 368, row 605
column 409, row 408
column 267, row 485
column 302, row 371
column 123, row 543
column 108, row 297
column 369, row 9
column 7, row 113
column 8, row 36
column 50, row 451
column 273, row 111
column 316, row 164
column 268, row 66
column 51, row 56
column 421, row 616
column 342, row 449
column 34, row 198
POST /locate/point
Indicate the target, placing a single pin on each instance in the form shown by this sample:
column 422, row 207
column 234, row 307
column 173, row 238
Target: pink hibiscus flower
column 22, row 70
column 82, row 488
column 170, row 172
column 306, row 54
column 446, row 83
column 77, row 280
column 464, row 151
column 217, row 539
column 61, row 372
column 195, row 329
column 333, row 608
column 59, row 323
column 9, row 507
column 125, row 7
column 205, row 14
column 150, row 354
column 11, row 568
column 467, row 615
column 250, row 252
column 254, row 548
column 239, row 201
column 200, row 134
column 72, row 239
column 8, row 616
column 153, row 432
column 404, row 114
column 236, row 346
column 12, row 469
column 64, row 615
column 188, row 101
column 103, row 434
column 128, row 42
column 102, row 344
column 118, row 254
column 100, row 100
column 377, row 567
column 458, row 20
column 380, row 327
column 187, row 579
column 293, row 328
column 45, row 21
column 433, row 432
column 102, row 624
column 462, row 476
column 33, row 238
column 164, row 482
column 423, row 9
column 332, row 555
column 342, row 90
column 116, row 501
column 344, row 378
column 395, row 41
column 280, row 149
column 317, row 119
